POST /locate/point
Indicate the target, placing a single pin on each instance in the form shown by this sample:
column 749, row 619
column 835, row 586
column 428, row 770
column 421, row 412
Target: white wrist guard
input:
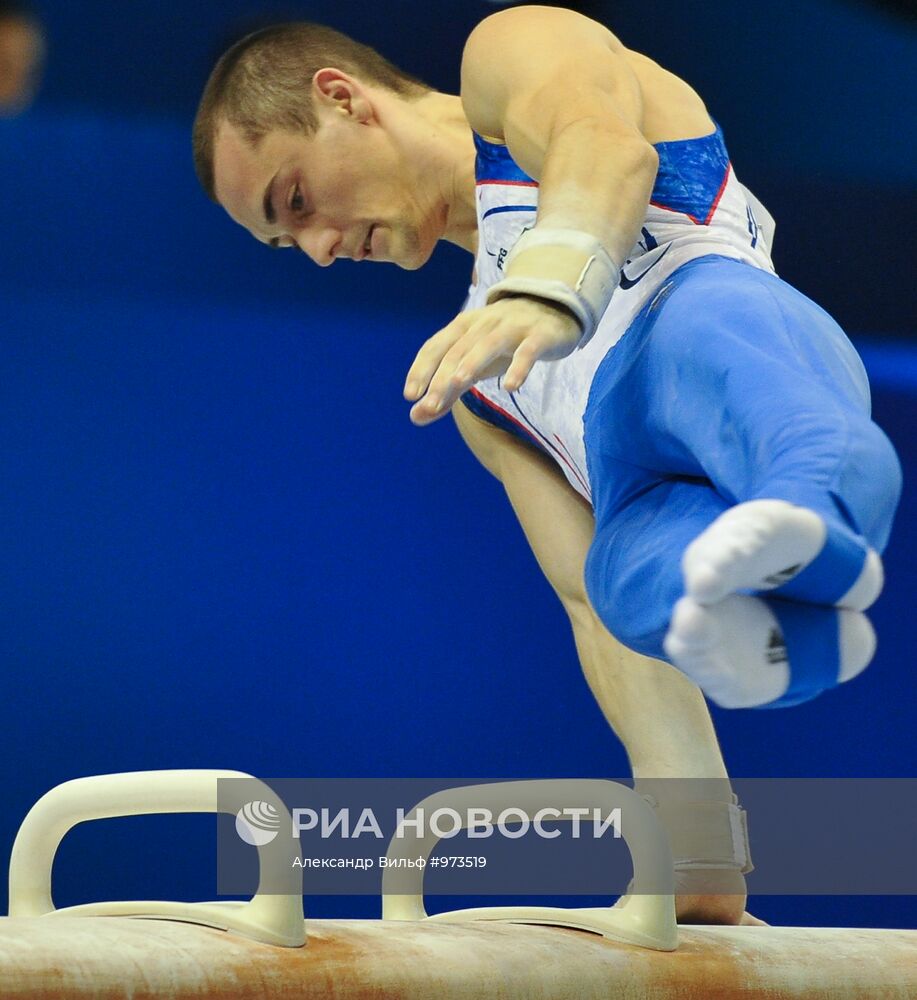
column 706, row 835
column 564, row 266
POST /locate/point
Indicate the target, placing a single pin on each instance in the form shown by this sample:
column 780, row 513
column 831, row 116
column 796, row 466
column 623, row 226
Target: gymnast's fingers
column 526, row 354
column 430, row 356
column 455, row 373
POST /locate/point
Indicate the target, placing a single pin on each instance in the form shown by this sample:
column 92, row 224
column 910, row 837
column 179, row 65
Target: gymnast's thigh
column 732, row 375
column 761, row 386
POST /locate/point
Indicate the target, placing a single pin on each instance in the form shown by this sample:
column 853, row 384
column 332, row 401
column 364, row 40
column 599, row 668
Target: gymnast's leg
column 745, row 387
column 634, row 581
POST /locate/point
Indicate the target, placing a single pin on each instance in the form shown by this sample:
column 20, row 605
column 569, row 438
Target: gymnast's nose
column 322, row 243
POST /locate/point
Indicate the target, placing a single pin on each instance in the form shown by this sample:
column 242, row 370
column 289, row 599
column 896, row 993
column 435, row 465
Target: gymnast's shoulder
column 523, row 55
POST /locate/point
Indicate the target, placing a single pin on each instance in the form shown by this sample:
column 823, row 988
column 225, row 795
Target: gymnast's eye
column 296, row 200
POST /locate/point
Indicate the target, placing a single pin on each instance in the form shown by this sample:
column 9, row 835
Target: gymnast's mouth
column 368, row 244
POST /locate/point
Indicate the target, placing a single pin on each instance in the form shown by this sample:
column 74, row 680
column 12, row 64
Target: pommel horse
column 265, row 949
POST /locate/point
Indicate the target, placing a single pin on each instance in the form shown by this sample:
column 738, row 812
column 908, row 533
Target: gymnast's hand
column 505, row 338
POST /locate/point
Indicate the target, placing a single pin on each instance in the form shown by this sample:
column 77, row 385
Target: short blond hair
column 263, row 83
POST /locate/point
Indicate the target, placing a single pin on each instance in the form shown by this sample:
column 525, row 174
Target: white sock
column 762, row 544
column 757, row 545
column 857, row 644
column 735, row 650
column 868, row 585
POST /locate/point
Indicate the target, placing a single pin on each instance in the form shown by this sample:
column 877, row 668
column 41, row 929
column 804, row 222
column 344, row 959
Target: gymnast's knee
column 627, row 609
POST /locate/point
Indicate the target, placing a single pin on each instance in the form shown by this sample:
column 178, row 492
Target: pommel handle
column 273, row 919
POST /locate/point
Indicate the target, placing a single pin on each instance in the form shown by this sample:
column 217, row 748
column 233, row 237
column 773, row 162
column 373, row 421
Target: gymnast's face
column 349, row 190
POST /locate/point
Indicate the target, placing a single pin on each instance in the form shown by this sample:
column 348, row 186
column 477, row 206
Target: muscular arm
column 556, row 87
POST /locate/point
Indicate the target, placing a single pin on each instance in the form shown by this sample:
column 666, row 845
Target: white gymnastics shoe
column 761, row 545
column 735, row 650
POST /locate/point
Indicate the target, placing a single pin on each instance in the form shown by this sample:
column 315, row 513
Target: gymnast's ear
column 340, row 93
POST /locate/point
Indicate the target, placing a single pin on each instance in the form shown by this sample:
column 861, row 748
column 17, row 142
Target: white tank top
column 697, row 207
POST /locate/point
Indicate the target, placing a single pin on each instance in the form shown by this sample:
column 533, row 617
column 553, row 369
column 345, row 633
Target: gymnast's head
column 309, row 139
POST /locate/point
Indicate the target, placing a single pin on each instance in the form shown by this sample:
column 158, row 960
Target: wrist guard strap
column 564, row 266
column 706, row 834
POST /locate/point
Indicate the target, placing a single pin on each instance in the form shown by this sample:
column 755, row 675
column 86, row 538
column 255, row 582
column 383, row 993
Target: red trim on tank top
column 489, row 402
column 713, row 207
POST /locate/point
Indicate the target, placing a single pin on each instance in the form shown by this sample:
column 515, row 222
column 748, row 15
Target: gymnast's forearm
column 660, row 717
column 597, row 178
column 663, row 722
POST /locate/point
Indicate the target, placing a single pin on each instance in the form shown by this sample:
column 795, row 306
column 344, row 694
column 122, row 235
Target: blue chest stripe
column 493, row 163
column 509, row 208
column 690, row 180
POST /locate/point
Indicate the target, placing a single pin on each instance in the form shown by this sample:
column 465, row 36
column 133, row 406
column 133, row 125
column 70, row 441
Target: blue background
column 224, row 543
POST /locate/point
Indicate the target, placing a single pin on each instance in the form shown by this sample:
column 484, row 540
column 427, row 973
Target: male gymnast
column 685, row 438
